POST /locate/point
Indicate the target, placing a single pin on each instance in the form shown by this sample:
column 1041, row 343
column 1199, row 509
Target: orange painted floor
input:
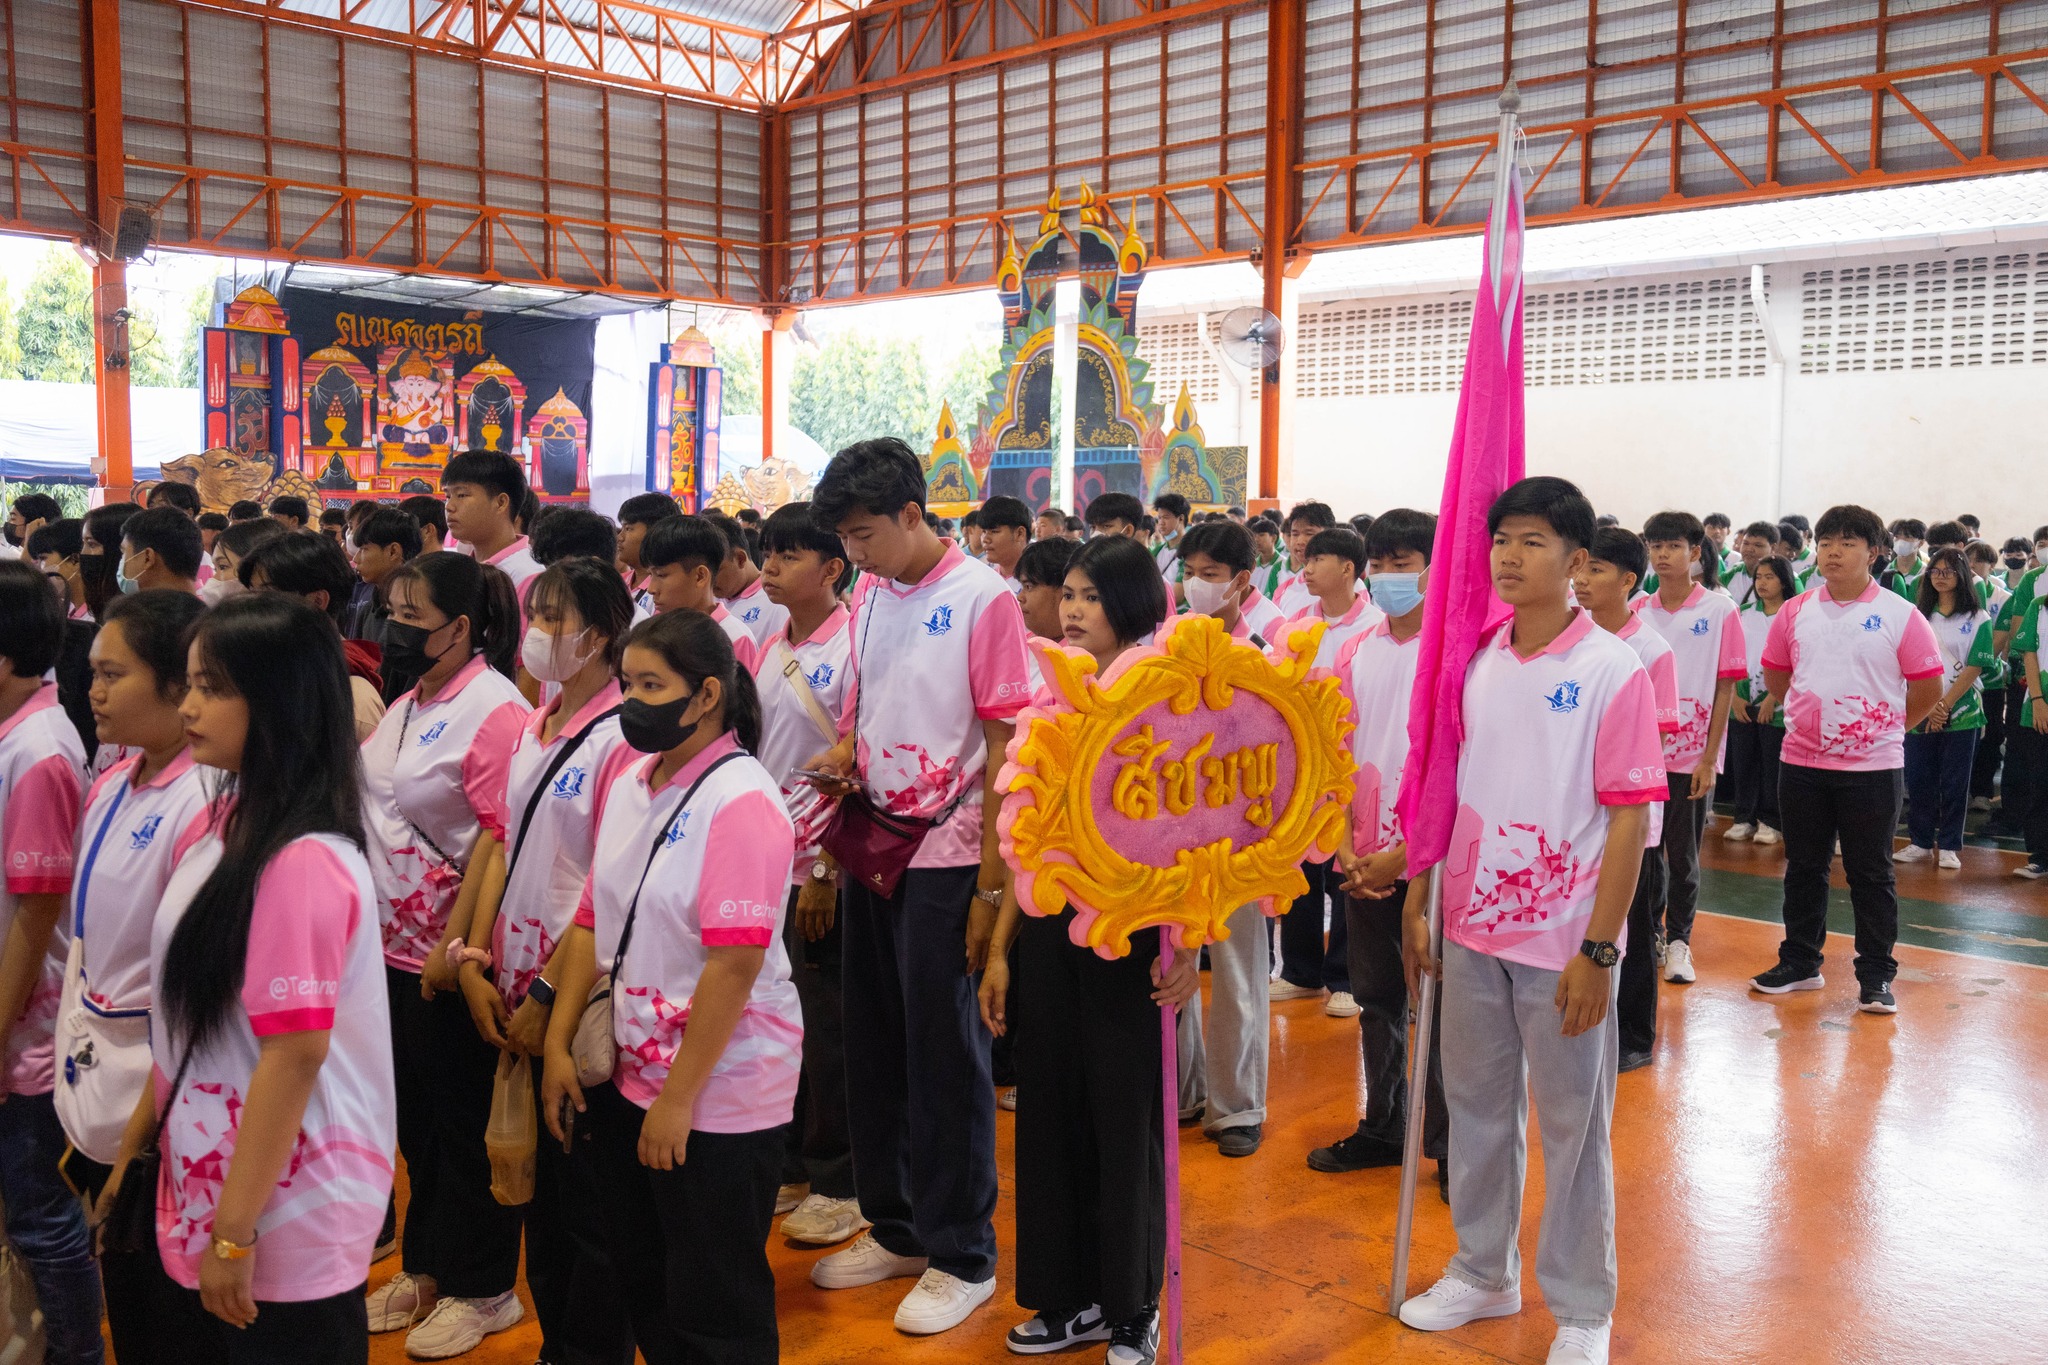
column 1795, row 1182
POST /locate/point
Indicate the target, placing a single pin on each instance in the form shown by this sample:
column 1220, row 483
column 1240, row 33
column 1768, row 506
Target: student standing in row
column 434, row 776
column 42, row 775
column 637, row 515
column 684, row 910
column 1942, row 749
column 1304, row 521
column 738, row 584
column 1005, row 535
column 272, row 1047
column 683, row 556
column 1091, row 1197
column 1171, row 511
column 1756, row 723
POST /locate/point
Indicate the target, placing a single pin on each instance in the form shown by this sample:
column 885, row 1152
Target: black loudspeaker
column 132, row 232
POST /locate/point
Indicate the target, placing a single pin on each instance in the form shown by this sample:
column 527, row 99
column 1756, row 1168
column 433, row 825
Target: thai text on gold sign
column 1218, row 780
column 357, row 332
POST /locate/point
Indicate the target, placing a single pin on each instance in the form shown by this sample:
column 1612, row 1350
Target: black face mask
column 2015, row 561
column 655, row 728
column 405, row 648
column 13, row 536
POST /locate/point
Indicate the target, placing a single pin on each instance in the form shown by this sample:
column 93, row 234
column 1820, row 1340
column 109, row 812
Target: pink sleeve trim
column 38, row 885
column 488, row 763
column 39, row 826
column 1635, row 798
column 738, row 938
column 586, row 907
column 997, row 678
column 292, row 1021
column 1929, row 673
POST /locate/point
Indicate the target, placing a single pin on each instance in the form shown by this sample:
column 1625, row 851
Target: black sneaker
column 1135, row 1342
column 1239, row 1141
column 1359, row 1152
column 1876, row 998
column 1783, row 980
column 1632, row 1061
column 1443, row 1180
column 1049, row 1332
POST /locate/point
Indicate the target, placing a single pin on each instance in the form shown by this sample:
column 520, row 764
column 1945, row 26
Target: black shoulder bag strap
column 569, row 746
column 660, row 837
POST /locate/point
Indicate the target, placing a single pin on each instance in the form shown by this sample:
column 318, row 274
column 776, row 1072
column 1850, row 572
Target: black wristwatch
column 1603, row 954
column 541, row 993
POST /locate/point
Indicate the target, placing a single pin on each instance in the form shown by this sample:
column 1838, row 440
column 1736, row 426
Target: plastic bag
column 513, row 1131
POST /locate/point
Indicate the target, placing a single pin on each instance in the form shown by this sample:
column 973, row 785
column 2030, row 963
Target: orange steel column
column 110, row 274
column 1284, row 57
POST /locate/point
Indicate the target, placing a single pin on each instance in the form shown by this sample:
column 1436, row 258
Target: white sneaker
column 865, row 1262
column 1912, row 853
column 1450, row 1302
column 1580, row 1345
column 788, row 1197
column 822, row 1220
column 1766, row 835
column 1737, row 833
column 458, row 1326
column 941, row 1302
column 1340, row 1005
column 1282, row 989
column 1948, row 858
column 1678, row 962
column 1008, row 1100
column 400, row 1302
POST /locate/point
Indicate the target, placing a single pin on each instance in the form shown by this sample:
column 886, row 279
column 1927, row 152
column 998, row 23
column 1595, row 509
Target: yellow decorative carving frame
column 1050, row 836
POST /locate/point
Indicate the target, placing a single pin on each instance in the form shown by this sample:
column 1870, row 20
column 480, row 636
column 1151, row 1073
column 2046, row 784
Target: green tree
column 55, row 325
column 739, row 355
column 10, row 340
column 852, row 389
column 966, row 385
column 198, row 314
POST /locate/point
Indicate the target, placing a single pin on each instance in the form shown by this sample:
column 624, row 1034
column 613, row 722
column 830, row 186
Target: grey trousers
column 1502, row 1041
column 1224, row 1065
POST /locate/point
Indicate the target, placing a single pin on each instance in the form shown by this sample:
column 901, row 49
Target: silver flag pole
column 1418, row 1097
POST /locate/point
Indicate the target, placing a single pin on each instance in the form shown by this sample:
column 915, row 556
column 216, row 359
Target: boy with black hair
column 803, row 678
column 171, row 493
column 1304, row 519
column 1041, row 577
column 1791, row 547
column 1377, row 671
column 291, row 512
column 1332, row 572
column 386, row 539
column 1170, row 516
column 1705, row 636
column 313, row 567
column 1216, row 565
column 29, row 511
column 636, row 514
column 1908, row 551
column 683, row 556
column 1052, row 523
column 569, row 531
column 333, row 525
column 54, row 548
column 1853, row 668
column 1717, row 527
column 1757, row 543
column 431, row 515
column 246, row 509
column 1615, row 565
column 1559, row 762
column 1074, row 529
column 970, row 533
column 159, row 549
column 938, row 662
column 739, row 584
column 1117, row 514
column 1005, row 532
column 486, row 495
column 211, row 524
column 1268, row 564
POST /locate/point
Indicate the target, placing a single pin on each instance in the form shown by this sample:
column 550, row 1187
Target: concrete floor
column 1795, row 1182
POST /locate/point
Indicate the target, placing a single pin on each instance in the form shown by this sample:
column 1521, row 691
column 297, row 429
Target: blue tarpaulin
column 49, row 433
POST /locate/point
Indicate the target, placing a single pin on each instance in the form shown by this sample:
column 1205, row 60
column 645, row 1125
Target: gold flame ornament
column 1190, row 781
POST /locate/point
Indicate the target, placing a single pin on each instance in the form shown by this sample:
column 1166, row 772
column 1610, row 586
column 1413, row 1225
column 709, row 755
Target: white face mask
column 1209, row 599
column 545, row 658
column 1905, row 549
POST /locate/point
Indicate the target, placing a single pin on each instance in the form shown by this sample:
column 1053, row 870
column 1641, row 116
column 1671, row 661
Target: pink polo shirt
column 1339, row 631
column 1706, row 645
column 1850, row 663
column 1551, row 742
column 1377, row 674
column 763, row 619
column 42, row 776
column 1662, row 666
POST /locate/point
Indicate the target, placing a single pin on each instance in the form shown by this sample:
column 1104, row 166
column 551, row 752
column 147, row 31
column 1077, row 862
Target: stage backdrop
column 388, row 391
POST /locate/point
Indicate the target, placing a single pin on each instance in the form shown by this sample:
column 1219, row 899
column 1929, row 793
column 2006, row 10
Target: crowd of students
column 316, row 822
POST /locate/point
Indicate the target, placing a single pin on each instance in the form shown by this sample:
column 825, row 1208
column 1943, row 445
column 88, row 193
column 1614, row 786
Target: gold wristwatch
column 225, row 1250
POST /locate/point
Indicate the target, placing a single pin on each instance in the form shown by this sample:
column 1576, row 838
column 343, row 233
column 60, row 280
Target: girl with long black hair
column 685, row 910
column 1941, row 751
column 1756, row 724
column 273, row 1094
column 99, row 555
column 434, row 797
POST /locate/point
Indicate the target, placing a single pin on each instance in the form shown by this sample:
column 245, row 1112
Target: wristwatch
column 541, row 992
column 225, row 1250
column 821, row 871
column 1603, row 954
column 988, row 897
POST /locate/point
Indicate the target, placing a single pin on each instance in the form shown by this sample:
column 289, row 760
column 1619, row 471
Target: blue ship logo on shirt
column 569, row 785
column 432, row 733
column 1701, row 626
column 145, row 833
column 1564, row 697
column 821, row 679
column 939, row 622
column 1873, row 622
column 676, row 831
column 751, row 615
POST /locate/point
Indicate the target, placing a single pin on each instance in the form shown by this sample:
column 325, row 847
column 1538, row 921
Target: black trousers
column 2026, row 800
column 1091, row 1165
column 454, row 1230
column 1373, row 941
column 137, row 1291
column 817, row 1147
column 1635, row 1003
column 1862, row 810
column 1304, row 959
column 920, row 1103
column 1753, row 771
column 690, row 1246
column 330, row 1331
column 569, row 1270
column 1991, row 744
column 1685, row 820
column 2016, row 780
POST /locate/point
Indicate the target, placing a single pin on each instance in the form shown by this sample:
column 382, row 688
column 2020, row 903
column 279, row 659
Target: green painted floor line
column 2006, row 935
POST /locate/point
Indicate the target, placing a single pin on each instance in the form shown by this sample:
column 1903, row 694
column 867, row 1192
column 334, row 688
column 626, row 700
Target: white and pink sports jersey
column 1706, row 642
column 1258, row 617
column 763, row 618
column 555, row 852
column 1550, row 743
column 518, row 564
column 1377, row 673
column 314, row 964
column 129, row 842
column 1850, row 663
column 433, row 779
column 719, row 879
column 42, row 777
column 1662, row 666
column 790, row 736
column 745, row 647
column 931, row 662
column 1293, row 594
column 1341, row 631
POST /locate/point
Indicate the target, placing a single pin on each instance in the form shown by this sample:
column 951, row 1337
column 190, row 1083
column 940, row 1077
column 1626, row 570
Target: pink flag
column 1486, row 456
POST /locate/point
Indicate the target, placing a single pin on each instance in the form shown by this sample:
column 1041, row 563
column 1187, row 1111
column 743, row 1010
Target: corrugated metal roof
column 424, row 291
